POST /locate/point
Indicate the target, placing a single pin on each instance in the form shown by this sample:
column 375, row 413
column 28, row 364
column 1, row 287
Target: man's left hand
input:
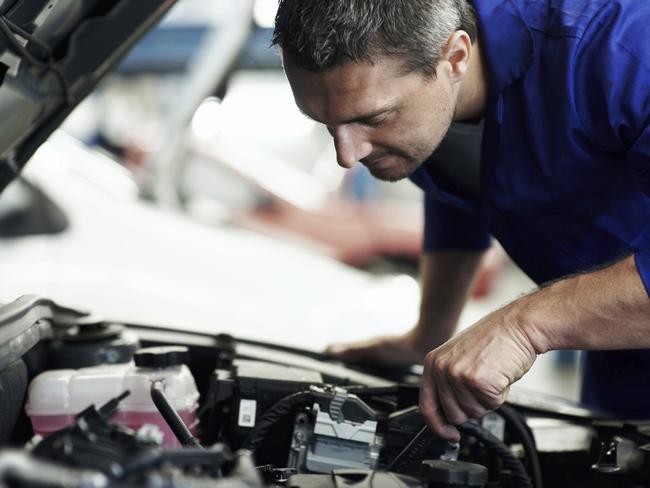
column 470, row 374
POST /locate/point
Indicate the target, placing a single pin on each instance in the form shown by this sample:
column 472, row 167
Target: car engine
column 87, row 403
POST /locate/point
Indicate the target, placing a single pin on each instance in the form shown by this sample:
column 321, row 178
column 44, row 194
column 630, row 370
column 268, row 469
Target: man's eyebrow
column 359, row 118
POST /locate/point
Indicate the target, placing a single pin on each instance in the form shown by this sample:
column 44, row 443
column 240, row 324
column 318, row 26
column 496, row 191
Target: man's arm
column 446, row 278
column 446, row 281
column 470, row 375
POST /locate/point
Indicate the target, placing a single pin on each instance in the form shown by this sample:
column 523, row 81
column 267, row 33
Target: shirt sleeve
column 614, row 73
column 449, row 228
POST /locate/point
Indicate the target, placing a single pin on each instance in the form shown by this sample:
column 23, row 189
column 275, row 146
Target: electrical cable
column 9, row 29
column 419, row 441
column 18, row 47
column 49, row 64
column 170, row 415
column 279, row 410
column 371, row 478
column 372, row 390
column 501, row 450
column 517, row 423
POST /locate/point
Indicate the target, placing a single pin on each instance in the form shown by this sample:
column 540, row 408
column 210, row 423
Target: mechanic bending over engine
column 563, row 88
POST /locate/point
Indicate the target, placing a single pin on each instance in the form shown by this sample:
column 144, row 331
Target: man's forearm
column 471, row 373
column 605, row 309
column 446, row 278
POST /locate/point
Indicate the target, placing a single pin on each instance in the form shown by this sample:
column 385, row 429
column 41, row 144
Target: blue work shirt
column 565, row 159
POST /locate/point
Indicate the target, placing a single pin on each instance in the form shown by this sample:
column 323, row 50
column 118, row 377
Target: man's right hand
column 403, row 350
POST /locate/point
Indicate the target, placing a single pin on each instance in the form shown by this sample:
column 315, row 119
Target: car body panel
column 52, row 54
column 130, row 261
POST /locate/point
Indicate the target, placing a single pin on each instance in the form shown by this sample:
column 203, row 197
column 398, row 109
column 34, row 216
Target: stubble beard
column 418, row 153
column 405, row 165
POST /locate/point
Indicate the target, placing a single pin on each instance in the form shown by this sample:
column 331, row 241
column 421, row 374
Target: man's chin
column 391, row 174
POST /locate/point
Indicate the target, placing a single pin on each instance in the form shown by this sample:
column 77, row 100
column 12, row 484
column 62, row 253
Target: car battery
column 57, row 396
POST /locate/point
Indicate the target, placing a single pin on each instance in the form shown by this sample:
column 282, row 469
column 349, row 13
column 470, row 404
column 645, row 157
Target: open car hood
column 52, row 54
column 299, row 418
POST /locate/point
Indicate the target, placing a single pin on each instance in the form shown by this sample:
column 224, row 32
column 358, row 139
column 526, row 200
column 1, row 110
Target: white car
column 90, row 242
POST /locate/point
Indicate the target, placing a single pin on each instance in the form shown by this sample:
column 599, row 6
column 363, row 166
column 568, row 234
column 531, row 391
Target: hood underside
column 52, row 54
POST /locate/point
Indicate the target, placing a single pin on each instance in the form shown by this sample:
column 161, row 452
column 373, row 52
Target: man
column 563, row 88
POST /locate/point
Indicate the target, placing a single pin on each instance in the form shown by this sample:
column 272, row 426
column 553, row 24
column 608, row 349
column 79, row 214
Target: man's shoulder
column 574, row 18
column 516, row 34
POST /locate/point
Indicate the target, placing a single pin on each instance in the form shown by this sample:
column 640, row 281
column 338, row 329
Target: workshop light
column 208, row 118
column 264, row 13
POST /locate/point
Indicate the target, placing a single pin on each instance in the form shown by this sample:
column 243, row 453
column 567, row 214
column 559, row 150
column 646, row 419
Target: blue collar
column 506, row 41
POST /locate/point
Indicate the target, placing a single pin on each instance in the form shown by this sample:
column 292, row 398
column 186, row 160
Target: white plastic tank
column 56, row 397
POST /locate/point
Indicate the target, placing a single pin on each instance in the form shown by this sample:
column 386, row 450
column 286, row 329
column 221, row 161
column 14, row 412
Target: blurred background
column 189, row 191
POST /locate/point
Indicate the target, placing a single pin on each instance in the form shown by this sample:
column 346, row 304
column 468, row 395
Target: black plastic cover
column 59, row 51
column 13, row 386
column 349, row 478
column 6, row 5
column 161, row 357
column 92, row 343
column 457, row 474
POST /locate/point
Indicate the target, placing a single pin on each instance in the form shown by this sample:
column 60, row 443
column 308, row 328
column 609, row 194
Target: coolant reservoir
column 56, row 397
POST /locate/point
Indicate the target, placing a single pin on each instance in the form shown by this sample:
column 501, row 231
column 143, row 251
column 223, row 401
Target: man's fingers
column 340, row 351
column 386, row 350
column 457, row 399
column 490, row 392
column 354, row 351
column 492, row 402
column 454, row 412
column 448, row 398
column 471, row 404
column 431, row 410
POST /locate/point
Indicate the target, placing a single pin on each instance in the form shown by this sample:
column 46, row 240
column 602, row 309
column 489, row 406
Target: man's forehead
column 344, row 92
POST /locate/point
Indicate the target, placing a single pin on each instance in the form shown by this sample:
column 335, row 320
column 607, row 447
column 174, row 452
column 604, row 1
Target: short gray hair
column 321, row 34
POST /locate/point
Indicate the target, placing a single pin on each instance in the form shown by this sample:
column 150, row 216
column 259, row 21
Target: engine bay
column 86, row 403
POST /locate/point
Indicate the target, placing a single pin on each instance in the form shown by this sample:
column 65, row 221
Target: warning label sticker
column 247, row 411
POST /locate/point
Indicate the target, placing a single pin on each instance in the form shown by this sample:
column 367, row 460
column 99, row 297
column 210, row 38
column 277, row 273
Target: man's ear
column 457, row 53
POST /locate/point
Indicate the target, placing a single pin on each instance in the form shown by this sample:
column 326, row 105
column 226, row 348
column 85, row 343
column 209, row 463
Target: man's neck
column 472, row 95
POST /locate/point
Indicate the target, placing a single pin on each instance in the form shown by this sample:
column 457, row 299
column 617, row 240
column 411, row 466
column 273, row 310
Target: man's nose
column 351, row 145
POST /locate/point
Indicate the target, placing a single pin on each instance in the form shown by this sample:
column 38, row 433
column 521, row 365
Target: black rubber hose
column 171, row 416
column 361, row 390
column 500, row 449
column 517, row 423
column 278, row 411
